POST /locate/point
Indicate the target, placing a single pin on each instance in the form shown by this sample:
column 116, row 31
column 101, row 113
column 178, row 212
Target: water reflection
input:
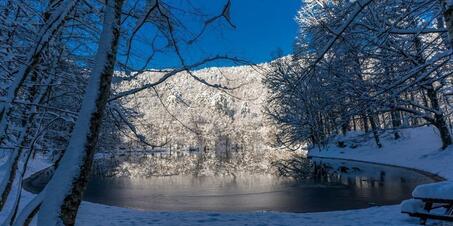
column 327, row 185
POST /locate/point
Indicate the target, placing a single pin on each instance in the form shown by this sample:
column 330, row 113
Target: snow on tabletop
column 441, row 190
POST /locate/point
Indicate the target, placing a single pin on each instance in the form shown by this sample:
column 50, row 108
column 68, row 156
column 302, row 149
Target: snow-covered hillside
column 186, row 113
column 197, row 128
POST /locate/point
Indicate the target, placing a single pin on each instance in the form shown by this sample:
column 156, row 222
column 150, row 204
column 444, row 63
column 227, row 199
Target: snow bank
column 419, row 148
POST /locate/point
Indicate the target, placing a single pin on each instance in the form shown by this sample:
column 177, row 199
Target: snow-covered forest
column 85, row 90
column 186, row 127
column 364, row 66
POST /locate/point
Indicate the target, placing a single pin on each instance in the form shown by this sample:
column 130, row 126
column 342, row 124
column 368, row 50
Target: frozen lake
column 343, row 185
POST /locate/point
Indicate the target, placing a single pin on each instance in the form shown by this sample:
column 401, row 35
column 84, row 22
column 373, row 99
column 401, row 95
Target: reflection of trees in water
column 303, row 168
column 325, row 172
column 351, row 176
column 226, row 158
column 298, row 168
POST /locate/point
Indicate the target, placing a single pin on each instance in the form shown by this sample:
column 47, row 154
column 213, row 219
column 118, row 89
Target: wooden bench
column 430, row 201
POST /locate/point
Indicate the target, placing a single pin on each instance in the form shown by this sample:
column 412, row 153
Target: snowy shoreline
column 418, row 150
column 419, row 171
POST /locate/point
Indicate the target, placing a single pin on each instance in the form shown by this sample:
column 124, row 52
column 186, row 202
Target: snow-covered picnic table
column 431, row 201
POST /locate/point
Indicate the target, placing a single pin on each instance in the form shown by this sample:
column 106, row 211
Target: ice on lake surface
column 343, row 185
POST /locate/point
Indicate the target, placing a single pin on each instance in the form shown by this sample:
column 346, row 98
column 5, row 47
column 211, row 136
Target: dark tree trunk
column 448, row 16
column 344, row 129
column 439, row 120
column 365, row 123
column 396, row 123
column 444, row 133
column 415, row 121
column 375, row 131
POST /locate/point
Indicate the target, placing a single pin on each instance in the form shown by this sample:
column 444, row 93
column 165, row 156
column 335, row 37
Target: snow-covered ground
column 91, row 214
column 418, row 149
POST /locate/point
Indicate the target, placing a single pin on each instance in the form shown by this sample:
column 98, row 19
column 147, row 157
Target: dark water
column 344, row 185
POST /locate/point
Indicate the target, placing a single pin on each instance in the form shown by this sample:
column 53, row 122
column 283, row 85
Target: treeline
column 367, row 66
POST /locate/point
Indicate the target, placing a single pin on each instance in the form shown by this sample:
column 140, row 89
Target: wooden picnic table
column 429, row 201
column 432, row 204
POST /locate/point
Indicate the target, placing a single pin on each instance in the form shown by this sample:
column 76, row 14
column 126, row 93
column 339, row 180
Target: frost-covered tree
column 63, row 193
column 30, row 68
column 374, row 65
column 185, row 121
column 54, row 92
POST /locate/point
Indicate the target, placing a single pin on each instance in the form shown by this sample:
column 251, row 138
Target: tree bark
column 396, row 123
column 365, row 123
column 65, row 189
column 439, row 120
column 375, row 131
column 448, row 16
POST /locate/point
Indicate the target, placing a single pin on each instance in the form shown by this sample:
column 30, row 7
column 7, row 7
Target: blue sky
column 262, row 28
